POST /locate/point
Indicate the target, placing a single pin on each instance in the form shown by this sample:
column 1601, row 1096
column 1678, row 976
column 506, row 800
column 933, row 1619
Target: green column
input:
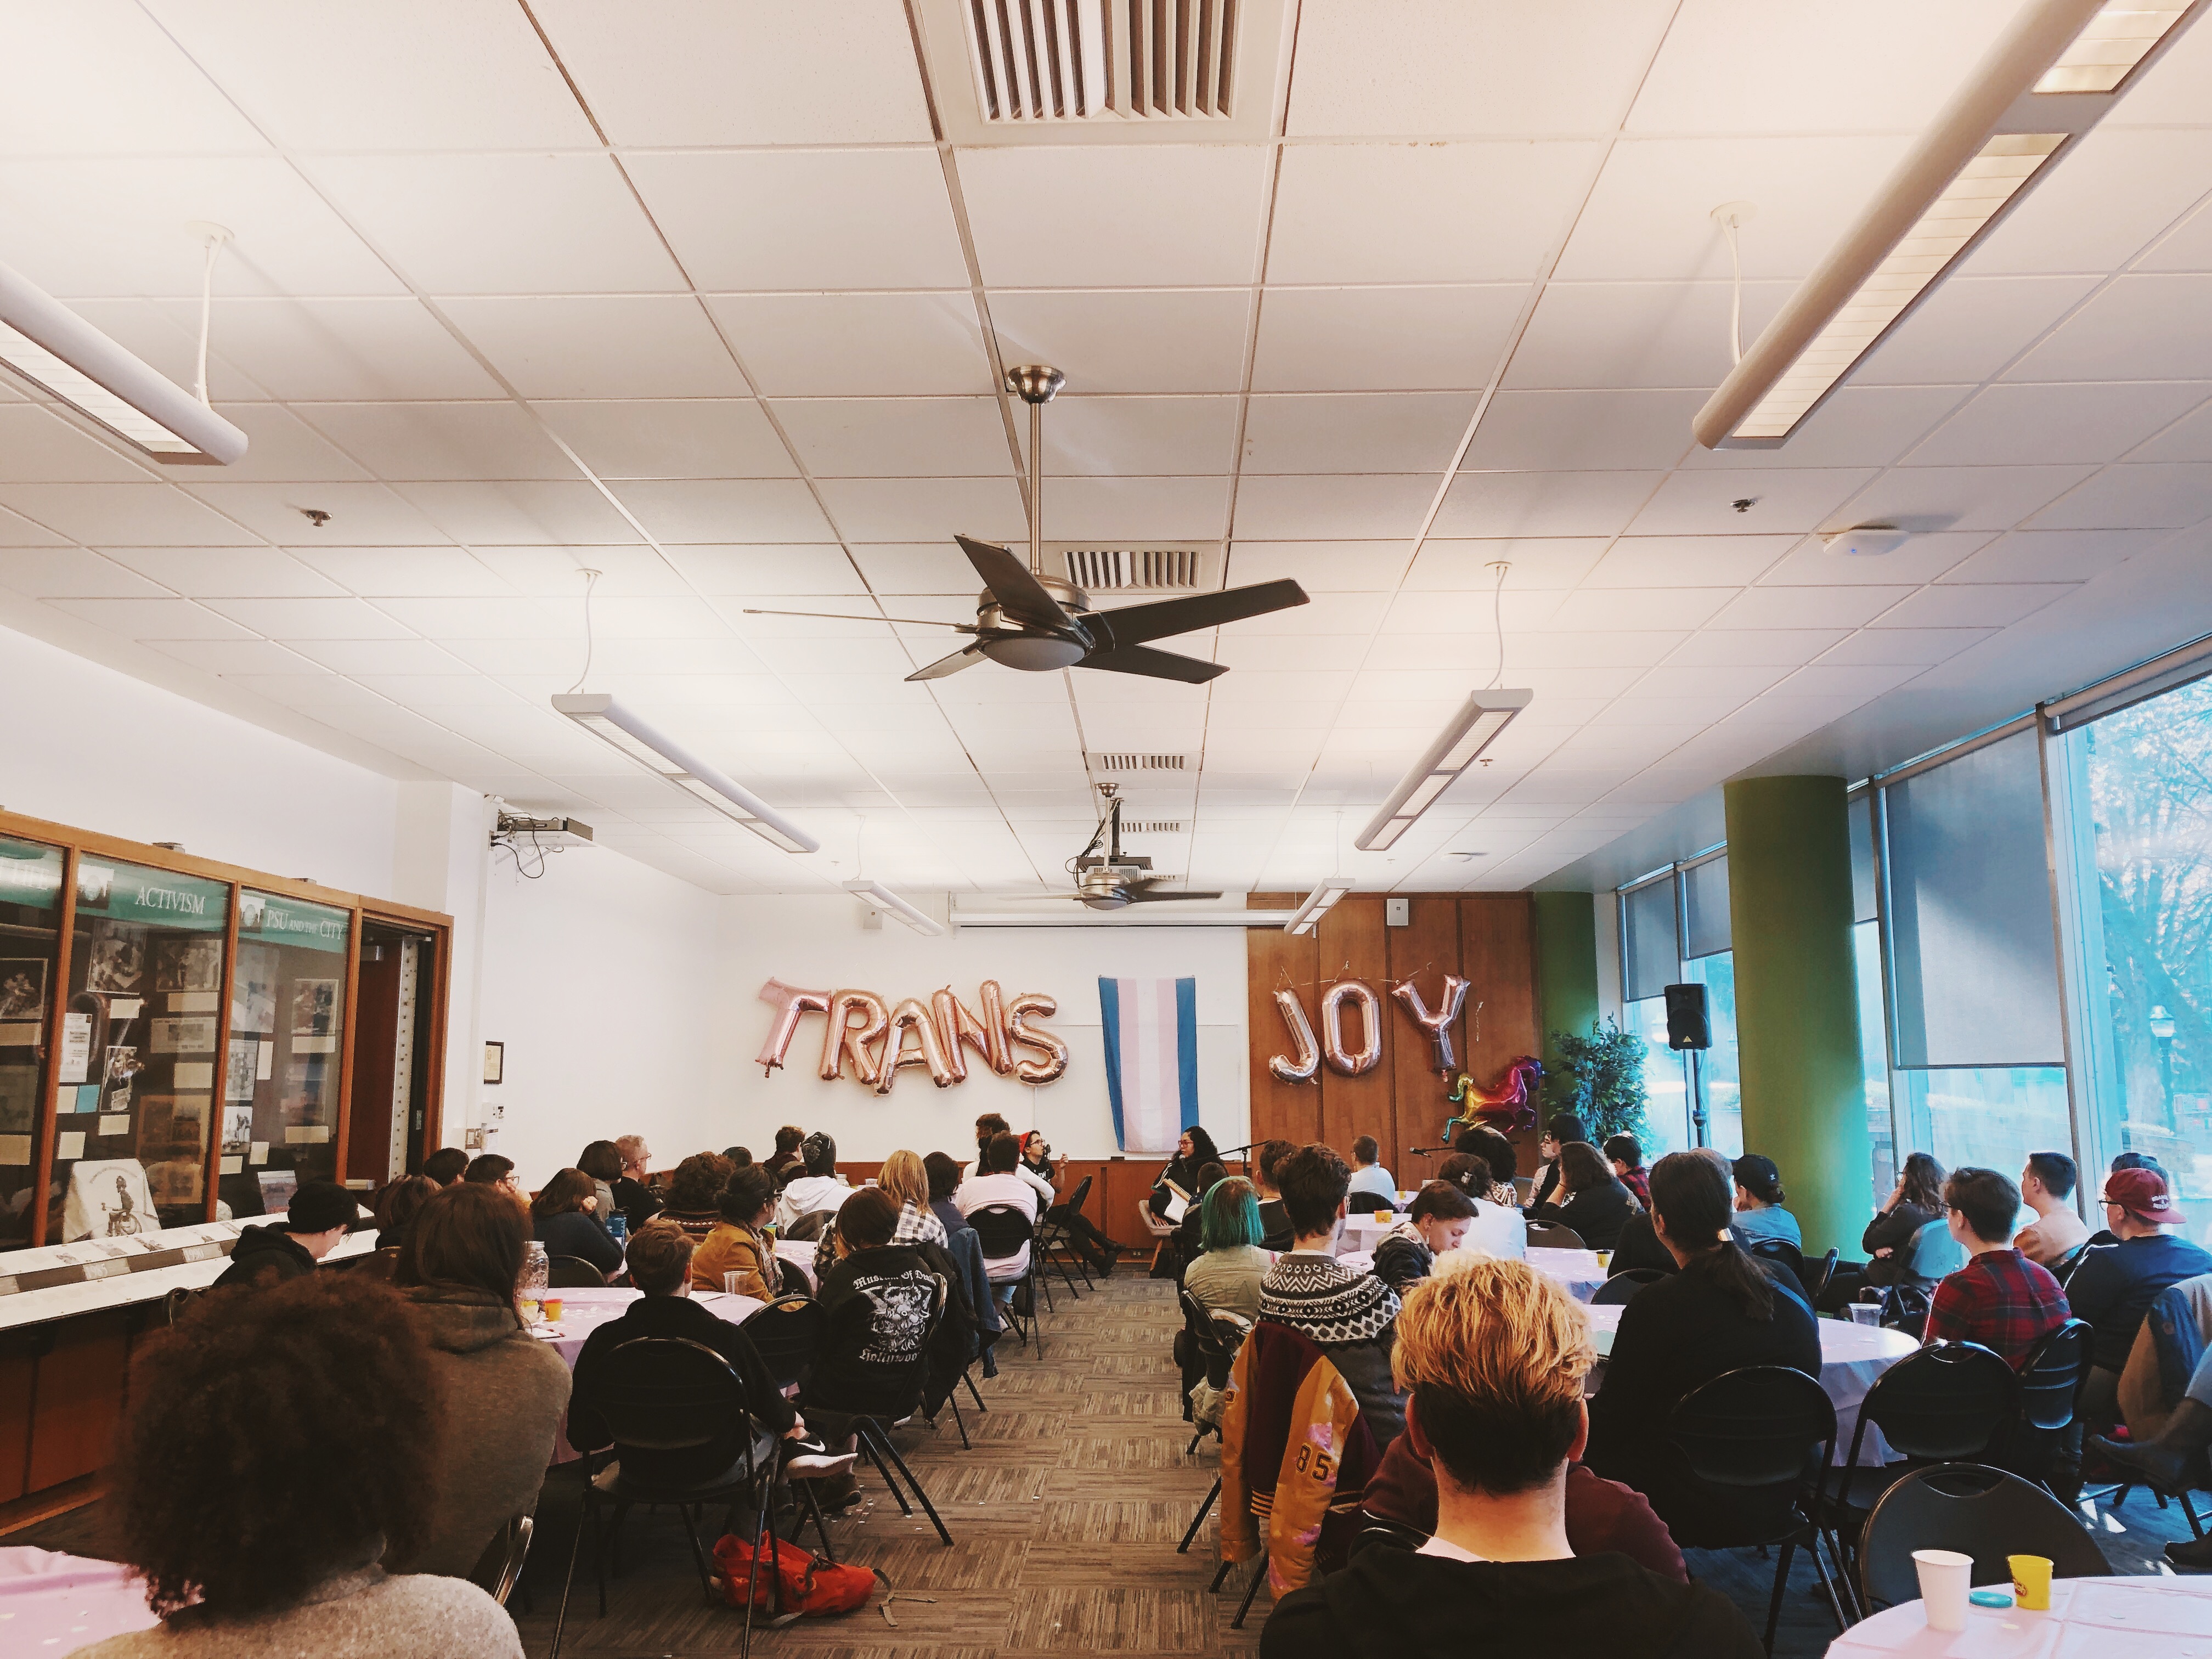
column 1566, row 967
column 1796, row 1000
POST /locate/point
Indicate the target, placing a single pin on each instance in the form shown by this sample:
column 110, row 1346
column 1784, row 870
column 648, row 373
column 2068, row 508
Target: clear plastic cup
column 1866, row 1313
column 1944, row 1575
column 730, row 1283
column 2031, row 1582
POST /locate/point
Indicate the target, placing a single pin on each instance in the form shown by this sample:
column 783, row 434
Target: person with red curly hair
column 279, row 1446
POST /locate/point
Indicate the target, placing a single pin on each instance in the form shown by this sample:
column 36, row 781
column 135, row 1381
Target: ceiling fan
column 1112, row 879
column 1027, row 620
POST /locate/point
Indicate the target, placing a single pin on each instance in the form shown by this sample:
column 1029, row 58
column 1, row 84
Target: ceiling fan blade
column 1142, row 897
column 1019, row 594
column 951, row 665
column 1158, row 665
column 1133, row 624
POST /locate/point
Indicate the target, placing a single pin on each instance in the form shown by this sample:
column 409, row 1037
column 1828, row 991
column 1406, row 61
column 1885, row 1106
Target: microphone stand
column 1427, row 1152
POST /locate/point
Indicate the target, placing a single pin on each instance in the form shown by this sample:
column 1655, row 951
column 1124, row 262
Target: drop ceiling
column 693, row 296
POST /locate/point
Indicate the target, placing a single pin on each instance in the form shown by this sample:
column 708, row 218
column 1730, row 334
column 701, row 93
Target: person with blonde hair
column 1493, row 1361
column 907, row 1182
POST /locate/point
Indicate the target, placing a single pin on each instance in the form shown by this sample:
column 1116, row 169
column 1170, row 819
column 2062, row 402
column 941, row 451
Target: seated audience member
column 944, row 1171
column 1917, row 1200
column 2174, row 1458
column 1437, row 1220
column 820, row 1189
column 633, row 1195
column 1723, row 1309
column 1083, row 1235
column 446, row 1165
column 1626, row 1154
column 738, row 1241
column 998, row 1184
column 1759, row 1198
column 1494, row 1361
column 904, row 1178
column 491, row 1169
column 694, row 1194
column 1498, row 1158
column 2116, row 1284
column 1346, row 1314
column 1037, row 1165
column 1194, row 1149
column 401, row 1205
column 784, row 1163
column 1564, row 1127
column 505, row 1392
column 274, row 1449
column 320, row 1215
column 986, row 1126
column 1499, row 1228
column 1276, row 1231
column 1187, row 1241
column 560, row 1219
column 1369, row 1178
column 2046, row 1186
column 2000, row 1298
column 1592, row 1200
column 741, row 1157
column 602, row 1161
column 660, row 1267
column 1227, row 1273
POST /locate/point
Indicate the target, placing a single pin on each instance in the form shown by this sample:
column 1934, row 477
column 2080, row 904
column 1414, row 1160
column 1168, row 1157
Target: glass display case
column 30, row 948
column 285, row 1054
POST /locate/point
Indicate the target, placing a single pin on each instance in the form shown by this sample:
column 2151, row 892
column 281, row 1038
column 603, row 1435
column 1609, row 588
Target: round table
column 51, row 1603
column 1851, row 1357
column 583, row 1312
column 1580, row 1271
column 2150, row 1614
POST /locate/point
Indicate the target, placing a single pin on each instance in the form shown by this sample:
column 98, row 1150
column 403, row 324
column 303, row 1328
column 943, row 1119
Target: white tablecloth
column 2089, row 1618
column 51, row 1603
column 1851, row 1357
column 799, row 1252
column 584, row 1311
column 1578, row 1270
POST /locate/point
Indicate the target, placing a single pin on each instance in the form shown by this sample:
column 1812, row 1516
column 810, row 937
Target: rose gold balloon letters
column 789, row 1003
column 1437, row 1025
column 1054, row 1063
column 842, row 1037
column 935, row 1035
column 957, row 1027
column 1369, row 1053
column 913, row 1016
column 1303, row 1066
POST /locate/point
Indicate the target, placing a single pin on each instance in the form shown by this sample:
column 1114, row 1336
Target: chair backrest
column 1931, row 1254
column 1003, row 1229
column 1376, row 1530
column 2063, row 1269
column 572, row 1272
column 1979, row 1511
column 1758, row 1437
column 1621, row 1286
column 2051, row 1374
column 1082, row 1193
column 1945, row 1403
column 791, row 1278
column 1817, row 1278
column 1217, row 1334
column 1548, row 1236
column 1904, row 1308
column 891, row 1347
column 784, row 1333
column 500, row 1564
column 179, row 1300
column 660, row 1394
column 1782, row 1253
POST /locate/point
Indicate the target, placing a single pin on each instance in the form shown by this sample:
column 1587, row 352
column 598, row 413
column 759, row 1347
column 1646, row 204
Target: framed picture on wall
column 494, row 1063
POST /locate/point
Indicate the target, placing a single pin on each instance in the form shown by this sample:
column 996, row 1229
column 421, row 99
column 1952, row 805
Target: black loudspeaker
column 1687, row 1027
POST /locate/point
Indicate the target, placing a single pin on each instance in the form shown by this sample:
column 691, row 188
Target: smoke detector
column 1865, row 541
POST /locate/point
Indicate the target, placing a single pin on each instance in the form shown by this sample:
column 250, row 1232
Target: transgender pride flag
column 1151, row 1059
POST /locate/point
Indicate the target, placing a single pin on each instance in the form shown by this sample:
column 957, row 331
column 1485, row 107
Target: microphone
column 1427, row 1152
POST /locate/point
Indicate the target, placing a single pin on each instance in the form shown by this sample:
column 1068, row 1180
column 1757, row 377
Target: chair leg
column 821, row 1528
column 1259, row 1571
column 1037, row 1280
column 600, row 1547
column 958, row 1422
column 752, row 1576
column 685, row 1512
column 2188, row 1508
column 1219, row 1573
column 1781, row 1582
column 1827, row 1587
column 868, row 1447
column 1191, row 1450
column 1199, row 1520
column 969, row 1378
column 568, row 1584
column 928, row 1508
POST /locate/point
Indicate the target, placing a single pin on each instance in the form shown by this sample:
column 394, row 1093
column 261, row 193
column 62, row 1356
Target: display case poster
column 152, row 898
column 245, row 1066
column 253, row 986
column 76, row 1048
column 188, row 964
column 293, row 921
column 194, row 1034
column 314, row 1007
column 22, row 987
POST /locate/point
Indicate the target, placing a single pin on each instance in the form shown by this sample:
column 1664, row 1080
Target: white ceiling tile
column 1547, row 562
column 1970, row 327
column 754, row 219
column 1636, row 334
column 766, row 570
column 1859, row 426
column 358, row 513
column 1473, row 614
column 1321, row 505
column 1699, row 561
column 154, row 619
column 618, row 346
column 721, row 510
column 510, row 618
column 2147, row 326
column 1595, row 430
column 1704, row 503
column 306, row 687
column 2132, row 497
column 39, row 444
column 2083, row 421
column 438, row 690
column 897, row 437
column 1261, row 687
column 375, row 572
column 1728, row 682
column 690, row 72
column 1169, row 340
column 1979, row 605
column 700, row 438
column 1922, row 559
column 558, row 572
column 803, row 345
column 406, row 441
column 312, row 619
column 284, row 239
column 524, row 513
column 310, row 350
column 1116, row 216
column 906, row 510
column 1382, row 339
column 1544, row 504
column 1649, row 218
column 1323, row 567
column 226, row 572
column 2109, row 194
column 1367, row 213
column 1747, row 649
column 1766, row 608
column 1438, row 66
column 155, row 332
column 1830, row 678
column 655, row 618
column 1627, row 649
column 1958, row 497
column 122, row 515
column 1139, row 436
column 1355, row 432
column 490, row 84
column 236, row 657
column 282, row 448
column 72, row 573
column 1645, row 607
column 110, row 82
column 1917, row 647
column 1161, row 509
column 2049, row 556
column 380, row 656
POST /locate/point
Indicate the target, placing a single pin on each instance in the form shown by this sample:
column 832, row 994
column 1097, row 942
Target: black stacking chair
column 501, row 1565
column 1003, row 1229
column 786, row 1333
column 900, row 1399
column 1783, row 1254
column 1978, row 1511
column 572, row 1272
column 1622, row 1285
column 1549, row 1236
column 1816, row 1279
column 1904, row 1308
column 1216, row 1334
column 2050, row 1383
column 1379, row 1531
column 2063, row 1269
column 1762, row 1440
column 1053, row 1240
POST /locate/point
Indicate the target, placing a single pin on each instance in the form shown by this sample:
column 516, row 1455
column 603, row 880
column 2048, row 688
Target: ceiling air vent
column 1117, row 761
column 1079, row 60
column 1153, row 827
column 1161, row 567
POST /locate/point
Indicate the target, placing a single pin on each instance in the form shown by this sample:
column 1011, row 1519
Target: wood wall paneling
column 1497, row 949
column 1291, row 1111
column 1424, row 952
column 78, row 1399
column 1351, row 945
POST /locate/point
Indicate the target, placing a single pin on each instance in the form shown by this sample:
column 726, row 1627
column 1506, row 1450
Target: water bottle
column 618, row 1228
column 530, row 1288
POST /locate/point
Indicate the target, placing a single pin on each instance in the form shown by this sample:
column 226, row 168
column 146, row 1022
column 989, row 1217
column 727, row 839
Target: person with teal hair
column 1227, row 1275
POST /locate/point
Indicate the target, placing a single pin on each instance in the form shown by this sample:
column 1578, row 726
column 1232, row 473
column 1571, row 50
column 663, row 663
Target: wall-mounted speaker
column 1688, row 1025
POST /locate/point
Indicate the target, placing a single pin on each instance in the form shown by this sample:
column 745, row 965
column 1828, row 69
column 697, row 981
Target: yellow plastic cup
column 1381, row 1215
column 2031, row 1582
column 550, row 1306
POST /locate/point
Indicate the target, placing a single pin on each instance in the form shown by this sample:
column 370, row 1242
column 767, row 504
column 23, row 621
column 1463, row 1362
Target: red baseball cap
column 2143, row 1194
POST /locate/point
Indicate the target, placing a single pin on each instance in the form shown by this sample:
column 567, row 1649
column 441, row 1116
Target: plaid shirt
column 2001, row 1300
column 1638, row 1181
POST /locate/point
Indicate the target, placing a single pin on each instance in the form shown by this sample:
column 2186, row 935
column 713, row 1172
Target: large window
column 1674, row 931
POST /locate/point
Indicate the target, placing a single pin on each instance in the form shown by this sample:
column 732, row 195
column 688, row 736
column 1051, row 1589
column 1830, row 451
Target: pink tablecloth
column 2089, row 1618
column 51, row 1603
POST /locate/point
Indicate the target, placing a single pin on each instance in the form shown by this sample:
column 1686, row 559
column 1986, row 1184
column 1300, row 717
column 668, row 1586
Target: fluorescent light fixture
column 878, row 897
column 1471, row 731
column 1307, row 916
column 57, row 351
column 615, row 725
column 2050, row 77
column 1135, row 915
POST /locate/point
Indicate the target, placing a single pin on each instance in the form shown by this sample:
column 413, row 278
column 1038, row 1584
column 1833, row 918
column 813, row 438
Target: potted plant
column 1600, row 1079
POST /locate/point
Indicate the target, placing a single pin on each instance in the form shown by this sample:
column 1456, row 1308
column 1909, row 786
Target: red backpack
column 809, row 1586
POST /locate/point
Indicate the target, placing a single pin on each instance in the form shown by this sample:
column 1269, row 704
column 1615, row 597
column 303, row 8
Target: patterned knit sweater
column 1348, row 1316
